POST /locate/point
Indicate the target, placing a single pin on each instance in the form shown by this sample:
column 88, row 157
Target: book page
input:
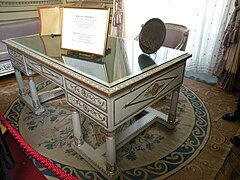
column 50, row 20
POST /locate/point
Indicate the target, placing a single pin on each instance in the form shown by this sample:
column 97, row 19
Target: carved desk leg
column 19, row 79
column 77, row 129
column 173, row 109
column 110, row 152
column 38, row 108
column 102, row 158
column 32, row 102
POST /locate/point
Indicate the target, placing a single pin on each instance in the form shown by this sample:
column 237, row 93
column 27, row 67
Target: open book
column 50, row 20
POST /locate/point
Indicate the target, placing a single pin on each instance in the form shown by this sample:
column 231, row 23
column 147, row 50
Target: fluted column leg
column 77, row 129
column 111, row 152
column 19, row 79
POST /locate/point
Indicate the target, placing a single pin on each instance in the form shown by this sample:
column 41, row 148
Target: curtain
column 121, row 65
column 228, row 58
column 206, row 20
column 118, row 20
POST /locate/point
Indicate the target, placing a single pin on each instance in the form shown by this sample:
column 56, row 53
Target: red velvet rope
column 32, row 152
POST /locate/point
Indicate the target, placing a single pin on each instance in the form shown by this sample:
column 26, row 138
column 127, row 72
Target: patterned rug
column 156, row 153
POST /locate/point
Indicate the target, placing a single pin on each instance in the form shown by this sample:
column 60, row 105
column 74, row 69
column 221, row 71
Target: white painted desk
column 110, row 90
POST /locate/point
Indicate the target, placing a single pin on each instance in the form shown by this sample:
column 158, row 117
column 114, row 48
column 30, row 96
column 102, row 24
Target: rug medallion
column 156, row 153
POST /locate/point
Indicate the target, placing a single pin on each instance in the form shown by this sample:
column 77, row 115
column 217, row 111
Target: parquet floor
column 231, row 168
column 7, row 80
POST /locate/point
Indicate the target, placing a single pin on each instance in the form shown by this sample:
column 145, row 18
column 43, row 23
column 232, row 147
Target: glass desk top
column 124, row 58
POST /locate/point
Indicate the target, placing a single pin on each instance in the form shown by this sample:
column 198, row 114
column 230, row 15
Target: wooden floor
column 229, row 171
column 231, row 168
column 7, row 80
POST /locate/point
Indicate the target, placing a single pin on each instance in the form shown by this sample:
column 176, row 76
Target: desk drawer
column 48, row 73
column 52, row 75
column 17, row 60
column 16, row 64
column 87, row 109
column 36, row 67
column 87, row 95
column 15, row 55
column 146, row 94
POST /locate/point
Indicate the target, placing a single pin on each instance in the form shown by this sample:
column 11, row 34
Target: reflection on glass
column 124, row 61
column 111, row 68
column 145, row 61
column 89, row 68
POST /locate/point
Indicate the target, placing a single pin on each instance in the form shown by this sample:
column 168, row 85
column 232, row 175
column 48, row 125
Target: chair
column 176, row 36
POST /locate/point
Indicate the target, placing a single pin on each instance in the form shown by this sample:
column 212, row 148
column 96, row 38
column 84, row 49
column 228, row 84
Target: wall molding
column 29, row 3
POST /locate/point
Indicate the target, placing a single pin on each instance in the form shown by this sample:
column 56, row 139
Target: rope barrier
column 61, row 174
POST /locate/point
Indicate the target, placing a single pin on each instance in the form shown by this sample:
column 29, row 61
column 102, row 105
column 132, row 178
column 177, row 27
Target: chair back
column 176, row 36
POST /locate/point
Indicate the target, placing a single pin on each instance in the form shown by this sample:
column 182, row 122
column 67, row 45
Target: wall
column 15, row 10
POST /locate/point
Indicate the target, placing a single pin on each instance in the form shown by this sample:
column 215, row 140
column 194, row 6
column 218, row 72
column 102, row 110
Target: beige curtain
column 228, row 60
column 118, row 19
column 121, row 66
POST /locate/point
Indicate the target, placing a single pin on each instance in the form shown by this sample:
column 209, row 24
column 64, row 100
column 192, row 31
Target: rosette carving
column 157, row 87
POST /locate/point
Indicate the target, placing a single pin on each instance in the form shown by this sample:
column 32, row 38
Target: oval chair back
column 176, row 36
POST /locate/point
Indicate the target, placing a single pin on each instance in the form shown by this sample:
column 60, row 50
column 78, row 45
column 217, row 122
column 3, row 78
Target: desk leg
column 173, row 109
column 38, row 108
column 103, row 158
column 32, row 102
column 77, row 129
column 19, row 79
column 110, row 152
column 34, row 94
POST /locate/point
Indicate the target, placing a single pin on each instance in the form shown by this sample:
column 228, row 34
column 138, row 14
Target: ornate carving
column 6, row 68
column 87, row 95
column 153, row 90
column 93, row 113
column 57, row 78
column 18, row 65
column 15, row 55
column 33, row 65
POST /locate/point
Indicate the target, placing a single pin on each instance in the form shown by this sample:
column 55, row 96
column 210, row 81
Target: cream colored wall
column 12, row 10
column 22, row 9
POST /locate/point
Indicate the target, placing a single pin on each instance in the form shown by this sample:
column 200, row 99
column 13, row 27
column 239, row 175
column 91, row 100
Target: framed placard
column 85, row 30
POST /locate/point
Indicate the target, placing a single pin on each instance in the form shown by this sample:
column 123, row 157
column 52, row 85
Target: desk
column 109, row 90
